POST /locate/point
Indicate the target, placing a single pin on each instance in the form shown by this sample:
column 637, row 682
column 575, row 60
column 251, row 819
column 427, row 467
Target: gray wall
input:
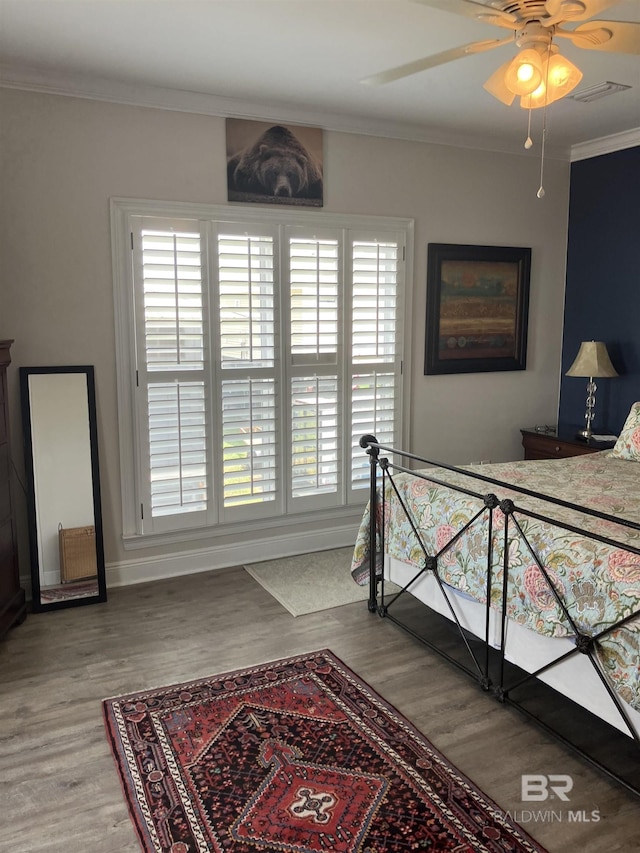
column 63, row 158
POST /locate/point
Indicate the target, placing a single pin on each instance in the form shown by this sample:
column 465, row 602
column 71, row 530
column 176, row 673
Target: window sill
column 313, row 522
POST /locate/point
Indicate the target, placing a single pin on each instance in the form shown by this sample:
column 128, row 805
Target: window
column 254, row 349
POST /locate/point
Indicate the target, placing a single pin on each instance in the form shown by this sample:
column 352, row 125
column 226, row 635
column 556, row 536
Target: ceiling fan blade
column 431, row 61
column 473, row 9
column 614, row 36
column 560, row 11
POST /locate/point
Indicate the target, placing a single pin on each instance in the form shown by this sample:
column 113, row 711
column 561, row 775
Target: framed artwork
column 477, row 308
column 274, row 163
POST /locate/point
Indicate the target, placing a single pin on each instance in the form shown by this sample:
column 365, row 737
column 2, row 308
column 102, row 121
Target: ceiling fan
column 538, row 73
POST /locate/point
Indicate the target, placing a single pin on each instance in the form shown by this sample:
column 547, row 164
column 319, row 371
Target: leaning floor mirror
column 63, row 486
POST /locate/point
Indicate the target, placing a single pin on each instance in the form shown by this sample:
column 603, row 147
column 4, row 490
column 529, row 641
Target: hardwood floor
column 58, row 786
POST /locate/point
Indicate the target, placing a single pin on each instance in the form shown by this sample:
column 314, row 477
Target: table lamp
column 592, row 362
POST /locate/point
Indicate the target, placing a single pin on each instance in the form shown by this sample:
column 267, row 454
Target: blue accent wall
column 602, row 300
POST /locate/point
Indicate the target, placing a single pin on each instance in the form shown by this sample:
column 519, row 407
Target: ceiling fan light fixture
column 560, row 76
column 524, row 72
column 495, row 85
column 540, row 98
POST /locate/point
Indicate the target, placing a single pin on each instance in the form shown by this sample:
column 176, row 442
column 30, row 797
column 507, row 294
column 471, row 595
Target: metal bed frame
column 487, row 665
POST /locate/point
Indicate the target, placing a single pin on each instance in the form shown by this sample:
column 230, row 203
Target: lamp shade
column 563, row 75
column 524, row 73
column 560, row 77
column 592, row 360
column 496, row 86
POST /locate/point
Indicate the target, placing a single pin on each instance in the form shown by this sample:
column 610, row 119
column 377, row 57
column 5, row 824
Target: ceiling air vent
column 600, row 90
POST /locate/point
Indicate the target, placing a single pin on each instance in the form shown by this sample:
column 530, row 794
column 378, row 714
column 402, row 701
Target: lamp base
column 584, row 434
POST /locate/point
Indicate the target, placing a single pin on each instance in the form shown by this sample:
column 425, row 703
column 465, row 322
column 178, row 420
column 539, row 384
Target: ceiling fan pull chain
column 540, row 192
column 529, row 141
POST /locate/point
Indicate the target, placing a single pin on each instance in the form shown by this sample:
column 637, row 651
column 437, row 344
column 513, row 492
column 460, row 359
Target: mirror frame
column 101, row 596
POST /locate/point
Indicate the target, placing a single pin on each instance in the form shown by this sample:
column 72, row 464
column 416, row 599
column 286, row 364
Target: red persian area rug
column 295, row 755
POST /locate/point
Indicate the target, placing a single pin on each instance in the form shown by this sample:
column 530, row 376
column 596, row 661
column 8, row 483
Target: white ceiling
column 301, row 61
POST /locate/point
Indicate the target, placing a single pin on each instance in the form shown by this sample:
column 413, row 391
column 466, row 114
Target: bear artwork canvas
column 274, row 163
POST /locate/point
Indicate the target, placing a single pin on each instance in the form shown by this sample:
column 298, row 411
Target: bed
column 538, row 561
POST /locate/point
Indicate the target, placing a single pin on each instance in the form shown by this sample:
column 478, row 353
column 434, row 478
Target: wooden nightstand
column 558, row 444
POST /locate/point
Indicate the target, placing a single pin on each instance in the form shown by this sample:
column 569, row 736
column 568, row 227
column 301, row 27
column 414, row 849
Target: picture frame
column 274, row 163
column 477, row 308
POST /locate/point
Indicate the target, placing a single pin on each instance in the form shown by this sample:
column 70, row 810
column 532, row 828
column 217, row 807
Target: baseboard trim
column 146, row 569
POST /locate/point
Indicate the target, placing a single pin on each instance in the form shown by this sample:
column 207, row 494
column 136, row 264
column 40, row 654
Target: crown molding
column 605, row 145
column 155, row 97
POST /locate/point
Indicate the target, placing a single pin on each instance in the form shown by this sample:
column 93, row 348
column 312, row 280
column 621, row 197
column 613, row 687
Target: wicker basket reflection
column 77, row 553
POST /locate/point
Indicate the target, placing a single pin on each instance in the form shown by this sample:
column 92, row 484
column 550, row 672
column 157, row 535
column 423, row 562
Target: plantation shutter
column 259, row 348
column 172, row 374
column 315, row 406
column 248, row 362
column 375, row 356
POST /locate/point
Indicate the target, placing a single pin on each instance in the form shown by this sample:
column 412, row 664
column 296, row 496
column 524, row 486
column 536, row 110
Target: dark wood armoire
column 13, row 608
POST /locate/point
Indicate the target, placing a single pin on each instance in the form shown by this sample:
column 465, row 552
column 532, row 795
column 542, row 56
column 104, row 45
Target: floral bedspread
column 599, row 583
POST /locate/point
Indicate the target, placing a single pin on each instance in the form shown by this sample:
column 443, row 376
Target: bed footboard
column 507, row 518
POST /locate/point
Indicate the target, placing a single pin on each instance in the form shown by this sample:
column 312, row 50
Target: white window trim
column 120, row 211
